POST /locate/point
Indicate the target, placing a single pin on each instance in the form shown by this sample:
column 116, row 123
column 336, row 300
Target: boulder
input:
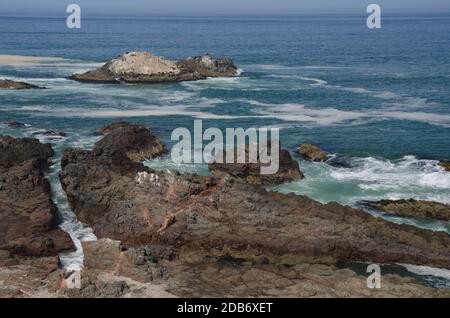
column 312, row 152
column 137, row 142
column 16, row 151
column 28, row 216
column 251, row 172
column 144, row 67
column 413, row 208
column 9, row 84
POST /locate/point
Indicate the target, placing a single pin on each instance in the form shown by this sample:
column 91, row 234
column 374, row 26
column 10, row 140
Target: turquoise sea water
column 379, row 101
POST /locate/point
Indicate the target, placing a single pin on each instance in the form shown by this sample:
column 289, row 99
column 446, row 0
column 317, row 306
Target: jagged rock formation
column 288, row 169
column 127, row 201
column 136, row 141
column 144, row 67
column 28, row 217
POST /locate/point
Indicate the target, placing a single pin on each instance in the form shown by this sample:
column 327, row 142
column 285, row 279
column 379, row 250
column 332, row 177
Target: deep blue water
column 379, row 99
column 396, row 77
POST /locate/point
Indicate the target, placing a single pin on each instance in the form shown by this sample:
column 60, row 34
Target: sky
column 149, row 7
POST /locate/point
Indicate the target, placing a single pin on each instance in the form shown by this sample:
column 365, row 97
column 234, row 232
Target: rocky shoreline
column 167, row 234
column 144, row 67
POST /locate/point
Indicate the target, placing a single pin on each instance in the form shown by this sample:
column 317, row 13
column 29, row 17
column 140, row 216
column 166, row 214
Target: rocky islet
column 145, row 67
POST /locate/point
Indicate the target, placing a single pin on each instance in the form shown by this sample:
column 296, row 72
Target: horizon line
column 219, row 14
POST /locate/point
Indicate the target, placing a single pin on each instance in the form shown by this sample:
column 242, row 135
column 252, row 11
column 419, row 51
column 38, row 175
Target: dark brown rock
column 198, row 273
column 126, row 201
column 413, row 208
column 108, row 129
column 136, row 141
column 9, row 84
column 208, row 66
column 28, row 217
column 29, row 277
column 445, row 165
column 312, row 152
column 251, row 172
column 15, row 151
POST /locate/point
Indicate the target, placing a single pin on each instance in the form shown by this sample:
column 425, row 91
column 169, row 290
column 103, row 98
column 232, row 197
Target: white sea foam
column 408, row 172
column 375, row 179
column 428, row 271
column 430, row 118
column 34, row 79
column 111, row 112
column 285, row 67
column 44, row 61
column 70, row 224
column 317, row 81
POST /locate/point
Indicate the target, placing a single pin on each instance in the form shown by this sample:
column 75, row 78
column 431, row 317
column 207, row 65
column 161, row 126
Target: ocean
column 377, row 100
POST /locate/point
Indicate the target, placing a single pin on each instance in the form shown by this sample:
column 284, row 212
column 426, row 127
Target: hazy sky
column 148, row 7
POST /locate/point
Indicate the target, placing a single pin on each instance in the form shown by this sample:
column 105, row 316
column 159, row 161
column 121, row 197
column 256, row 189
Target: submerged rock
column 50, row 133
column 445, row 165
column 312, row 152
column 137, row 142
column 28, row 216
column 251, row 172
column 413, row 208
column 127, row 201
column 9, row 84
column 144, row 67
column 15, row 124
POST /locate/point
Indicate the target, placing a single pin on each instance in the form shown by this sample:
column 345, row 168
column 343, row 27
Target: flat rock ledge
column 413, row 208
column 144, row 67
column 114, row 270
